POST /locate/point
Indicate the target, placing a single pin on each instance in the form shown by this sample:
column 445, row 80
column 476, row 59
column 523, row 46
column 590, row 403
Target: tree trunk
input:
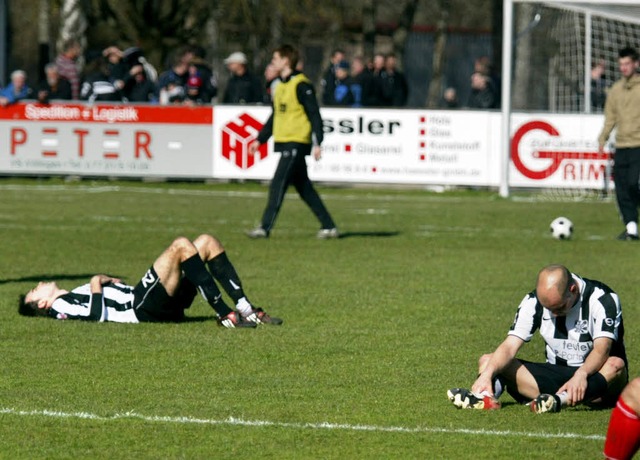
column 369, row 28
column 44, row 37
column 73, row 22
column 439, row 49
column 404, row 26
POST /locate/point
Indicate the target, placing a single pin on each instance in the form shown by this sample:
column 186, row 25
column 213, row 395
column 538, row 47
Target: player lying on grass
column 162, row 295
column 580, row 321
column 623, row 434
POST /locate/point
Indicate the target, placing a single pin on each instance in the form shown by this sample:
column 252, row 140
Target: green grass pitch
column 378, row 324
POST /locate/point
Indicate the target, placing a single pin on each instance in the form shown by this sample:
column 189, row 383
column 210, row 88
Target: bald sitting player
column 580, row 321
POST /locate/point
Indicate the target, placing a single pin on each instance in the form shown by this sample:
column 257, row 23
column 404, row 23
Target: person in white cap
column 243, row 87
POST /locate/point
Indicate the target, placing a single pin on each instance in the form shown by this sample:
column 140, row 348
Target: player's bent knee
column 210, row 241
column 613, row 367
column 616, row 363
column 180, row 242
column 182, row 246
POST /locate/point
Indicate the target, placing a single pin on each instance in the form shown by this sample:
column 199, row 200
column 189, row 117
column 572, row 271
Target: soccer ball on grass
column 561, row 228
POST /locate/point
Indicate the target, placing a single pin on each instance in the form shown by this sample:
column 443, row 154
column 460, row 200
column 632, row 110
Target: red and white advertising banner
column 383, row 146
column 370, row 146
column 551, row 150
column 106, row 140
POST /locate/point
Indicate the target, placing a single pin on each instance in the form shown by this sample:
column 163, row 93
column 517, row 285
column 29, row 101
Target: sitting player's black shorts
column 551, row 377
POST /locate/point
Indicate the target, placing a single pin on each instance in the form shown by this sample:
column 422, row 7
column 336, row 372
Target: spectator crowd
column 117, row 75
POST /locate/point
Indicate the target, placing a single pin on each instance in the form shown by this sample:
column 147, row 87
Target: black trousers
column 292, row 169
column 626, row 175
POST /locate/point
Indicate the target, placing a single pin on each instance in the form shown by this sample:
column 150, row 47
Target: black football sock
column 223, row 271
column 195, row 271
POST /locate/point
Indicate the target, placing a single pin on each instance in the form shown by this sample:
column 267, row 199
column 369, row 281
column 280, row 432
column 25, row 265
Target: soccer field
column 378, row 324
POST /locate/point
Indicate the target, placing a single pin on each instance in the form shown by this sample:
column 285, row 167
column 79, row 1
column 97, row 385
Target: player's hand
column 317, row 152
column 106, row 279
column 97, row 281
column 601, row 150
column 576, row 387
column 253, row 147
column 483, row 385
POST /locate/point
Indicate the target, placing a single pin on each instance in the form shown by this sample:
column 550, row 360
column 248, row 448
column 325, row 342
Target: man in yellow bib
column 296, row 126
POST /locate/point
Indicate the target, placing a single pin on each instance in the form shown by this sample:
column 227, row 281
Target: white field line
column 297, row 426
column 213, row 193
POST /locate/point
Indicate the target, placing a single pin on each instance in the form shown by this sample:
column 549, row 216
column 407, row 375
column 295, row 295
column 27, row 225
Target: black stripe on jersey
column 561, row 362
column 618, row 346
column 585, row 309
column 76, row 299
column 117, row 306
column 610, row 309
column 560, row 331
column 537, row 316
column 95, row 303
column 608, row 303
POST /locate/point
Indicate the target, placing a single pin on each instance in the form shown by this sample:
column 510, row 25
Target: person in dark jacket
column 243, row 87
column 483, row 92
column 329, row 77
column 137, row 87
column 53, row 86
column 395, row 90
column 208, row 83
column 97, row 85
column 363, row 84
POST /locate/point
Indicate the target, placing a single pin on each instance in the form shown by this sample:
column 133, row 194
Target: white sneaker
column 328, row 233
column 545, row 403
column 466, row 399
column 258, row 232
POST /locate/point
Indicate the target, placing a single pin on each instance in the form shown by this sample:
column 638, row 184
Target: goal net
column 559, row 43
column 565, row 57
column 587, row 38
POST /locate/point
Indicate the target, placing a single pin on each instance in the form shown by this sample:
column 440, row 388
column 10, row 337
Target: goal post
column 582, row 31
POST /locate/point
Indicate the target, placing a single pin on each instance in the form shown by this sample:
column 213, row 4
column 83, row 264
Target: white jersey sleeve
column 527, row 319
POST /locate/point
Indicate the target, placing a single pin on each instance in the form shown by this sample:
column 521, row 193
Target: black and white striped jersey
column 115, row 304
column 569, row 339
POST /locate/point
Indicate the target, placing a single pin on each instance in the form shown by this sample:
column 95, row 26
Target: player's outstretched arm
column 499, row 360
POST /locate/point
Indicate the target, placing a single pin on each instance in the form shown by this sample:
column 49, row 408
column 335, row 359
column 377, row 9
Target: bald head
column 556, row 289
